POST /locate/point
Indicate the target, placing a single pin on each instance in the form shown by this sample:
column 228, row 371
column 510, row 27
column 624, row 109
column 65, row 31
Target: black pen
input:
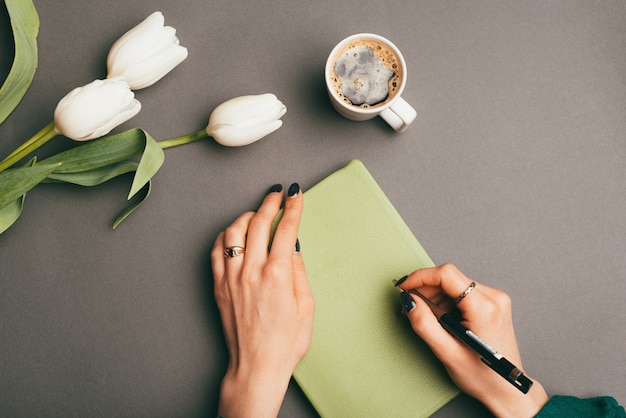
column 489, row 356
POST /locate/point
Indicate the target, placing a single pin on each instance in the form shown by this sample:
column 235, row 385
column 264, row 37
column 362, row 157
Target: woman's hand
column 265, row 304
column 486, row 312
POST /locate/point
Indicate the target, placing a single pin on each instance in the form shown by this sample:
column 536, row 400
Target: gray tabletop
column 514, row 170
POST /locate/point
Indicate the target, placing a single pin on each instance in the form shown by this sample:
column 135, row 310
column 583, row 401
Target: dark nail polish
column 407, row 302
column 275, row 189
column 399, row 282
column 297, row 248
column 293, row 190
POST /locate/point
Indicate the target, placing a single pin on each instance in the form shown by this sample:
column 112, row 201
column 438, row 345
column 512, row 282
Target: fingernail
column 297, row 248
column 407, row 302
column 275, row 188
column 293, row 190
column 399, row 282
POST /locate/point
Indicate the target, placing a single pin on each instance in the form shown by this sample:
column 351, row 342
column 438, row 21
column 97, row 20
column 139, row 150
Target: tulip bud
column 246, row 119
column 147, row 52
column 93, row 110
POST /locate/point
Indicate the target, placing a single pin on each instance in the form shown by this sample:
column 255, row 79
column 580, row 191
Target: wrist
column 519, row 405
column 253, row 393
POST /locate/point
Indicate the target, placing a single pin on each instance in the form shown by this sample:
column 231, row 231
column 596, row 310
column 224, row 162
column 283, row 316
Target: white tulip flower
column 93, row 110
column 146, row 53
column 246, row 119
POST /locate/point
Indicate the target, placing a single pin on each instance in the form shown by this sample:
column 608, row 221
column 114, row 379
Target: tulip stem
column 40, row 138
column 181, row 140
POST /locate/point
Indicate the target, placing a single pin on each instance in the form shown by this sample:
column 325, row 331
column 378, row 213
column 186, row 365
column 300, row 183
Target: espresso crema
column 366, row 73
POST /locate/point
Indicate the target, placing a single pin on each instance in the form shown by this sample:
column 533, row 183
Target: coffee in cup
column 365, row 75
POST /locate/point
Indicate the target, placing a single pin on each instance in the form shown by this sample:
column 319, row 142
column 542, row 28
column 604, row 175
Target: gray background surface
column 514, row 170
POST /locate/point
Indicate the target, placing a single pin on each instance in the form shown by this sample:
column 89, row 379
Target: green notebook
column 365, row 360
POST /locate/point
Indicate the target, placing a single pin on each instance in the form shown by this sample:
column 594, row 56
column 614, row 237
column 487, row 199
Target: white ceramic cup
column 394, row 109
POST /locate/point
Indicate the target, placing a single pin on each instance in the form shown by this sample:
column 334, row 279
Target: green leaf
column 15, row 182
column 25, row 25
column 93, row 177
column 100, row 175
column 101, row 159
column 134, row 206
column 151, row 161
column 11, row 212
column 113, row 149
column 100, row 152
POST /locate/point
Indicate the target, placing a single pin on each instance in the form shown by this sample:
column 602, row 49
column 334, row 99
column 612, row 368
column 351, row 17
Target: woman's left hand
column 265, row 304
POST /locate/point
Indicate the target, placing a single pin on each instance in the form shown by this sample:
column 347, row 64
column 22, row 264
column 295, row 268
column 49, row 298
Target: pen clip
column 511, row 373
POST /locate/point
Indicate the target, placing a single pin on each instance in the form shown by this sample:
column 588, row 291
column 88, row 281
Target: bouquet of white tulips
column 137, row 60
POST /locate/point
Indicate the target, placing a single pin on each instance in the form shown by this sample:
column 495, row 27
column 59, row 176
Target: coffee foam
column 366, row 73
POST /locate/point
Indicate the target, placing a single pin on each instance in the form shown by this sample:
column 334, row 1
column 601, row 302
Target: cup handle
column 399, row 115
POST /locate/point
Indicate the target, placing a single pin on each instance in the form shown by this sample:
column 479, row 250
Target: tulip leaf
column 93, row 177
column 134, row 206
column 25, row 25
column 11, row 212
column 112, row 149
column 151, row 160
column 102, row 159
column 15, row 182
column 100, row 152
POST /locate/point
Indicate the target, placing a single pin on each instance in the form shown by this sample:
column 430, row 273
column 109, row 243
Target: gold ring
column 465, row 293
column 231, row 252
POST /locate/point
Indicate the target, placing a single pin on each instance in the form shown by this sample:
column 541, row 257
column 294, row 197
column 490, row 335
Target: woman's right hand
column 486, row 312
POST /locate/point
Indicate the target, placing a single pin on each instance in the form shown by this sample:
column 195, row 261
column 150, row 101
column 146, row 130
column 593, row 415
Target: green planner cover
column 365, row 360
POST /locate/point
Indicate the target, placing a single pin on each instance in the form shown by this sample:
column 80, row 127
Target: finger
column 301, row 283
column 261, row 224
column 220, row 290
column 447, row 277
column 217, row 258
column 302, row 291
column 287, row 229
column 235, row 235
column 425, row 324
